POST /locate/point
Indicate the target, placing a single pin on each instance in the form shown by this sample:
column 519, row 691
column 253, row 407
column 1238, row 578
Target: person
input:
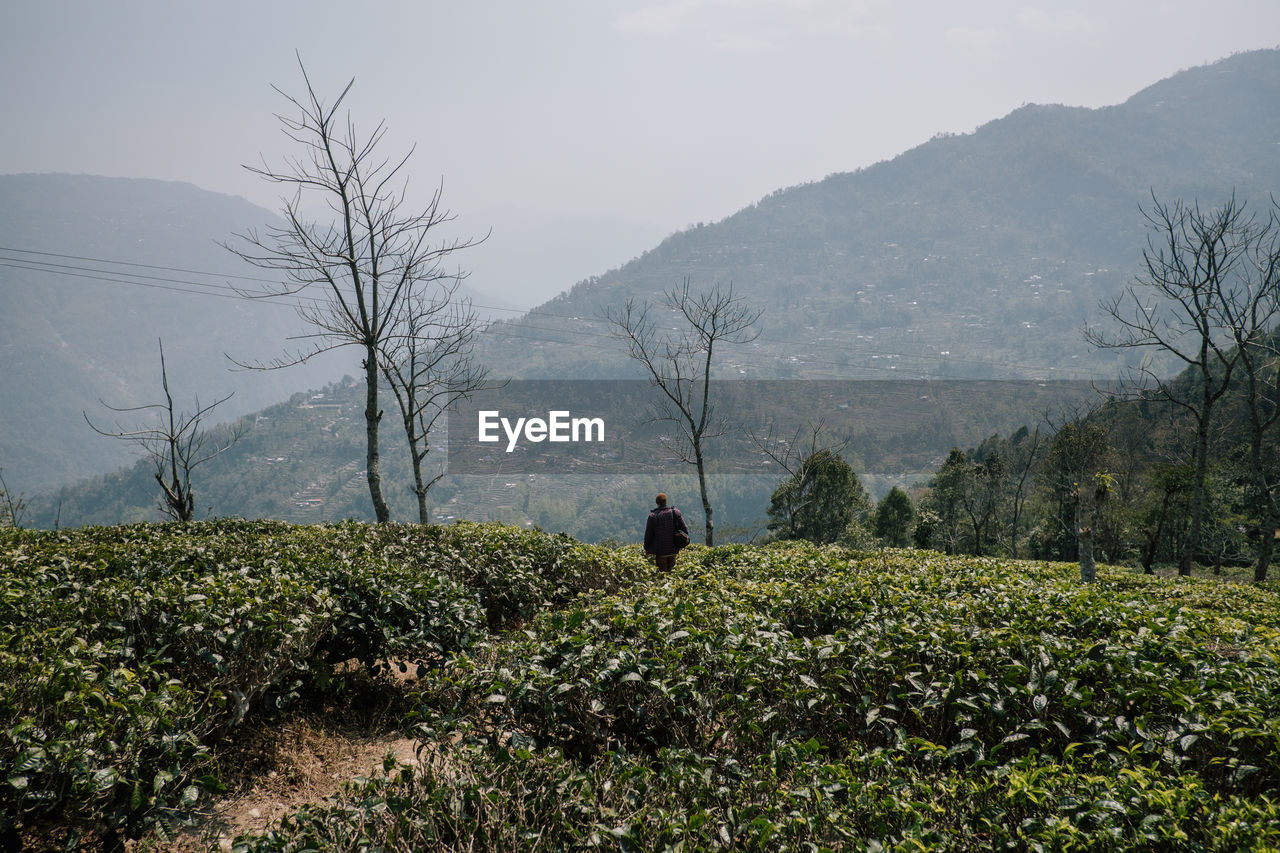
column 660, row 533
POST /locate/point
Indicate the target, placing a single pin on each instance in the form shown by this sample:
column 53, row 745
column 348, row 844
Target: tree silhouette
column 679, row 364
column 176, row 445
column 354, row 274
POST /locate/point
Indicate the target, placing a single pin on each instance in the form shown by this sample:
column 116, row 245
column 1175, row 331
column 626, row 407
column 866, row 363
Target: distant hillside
column 78, row 330
column 978, row 255
column 77, row 327
column 303, row 461
column 973, row 256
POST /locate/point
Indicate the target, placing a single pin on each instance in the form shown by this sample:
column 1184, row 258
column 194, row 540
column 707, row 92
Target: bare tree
column 366, row 262
column 789, row 454
column 679, row 364
column 176, row 445
column 1249, row 311
column 428, row 365
column 1193, row 261
column 12, row 507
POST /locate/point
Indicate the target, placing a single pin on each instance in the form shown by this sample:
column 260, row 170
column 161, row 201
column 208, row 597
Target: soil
column 275, row 764
column 307, row 764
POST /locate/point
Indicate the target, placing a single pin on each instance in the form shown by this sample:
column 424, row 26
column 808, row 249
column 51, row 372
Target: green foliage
column 125, row 651
column 781, row 697
column 894, row 518
column 819, row 501
column 946, row 521
column 791, row 697
column 128, row 653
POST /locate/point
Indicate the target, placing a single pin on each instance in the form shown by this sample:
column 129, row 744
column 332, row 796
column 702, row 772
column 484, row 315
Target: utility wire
column 109, row 276
column 508, row 328
column 132, row 264
column 212, row 287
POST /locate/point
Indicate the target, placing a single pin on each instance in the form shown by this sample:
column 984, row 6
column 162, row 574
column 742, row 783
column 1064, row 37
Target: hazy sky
column 581, row 131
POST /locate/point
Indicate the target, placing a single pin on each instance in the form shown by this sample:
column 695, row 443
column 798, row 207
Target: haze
column 580, row 131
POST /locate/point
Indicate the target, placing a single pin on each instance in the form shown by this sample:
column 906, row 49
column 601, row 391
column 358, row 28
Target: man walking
column 665, row 534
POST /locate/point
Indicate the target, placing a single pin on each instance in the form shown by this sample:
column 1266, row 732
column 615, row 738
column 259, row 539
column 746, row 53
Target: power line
column 280, row 298
column 133, row 264
column 140, row 281
column 509, row 328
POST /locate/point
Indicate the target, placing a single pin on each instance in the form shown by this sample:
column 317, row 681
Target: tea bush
column 122, row 654
column 792, row 799
column 776, row 698
column 797, row 698
column 126, row 653
column 515, row 572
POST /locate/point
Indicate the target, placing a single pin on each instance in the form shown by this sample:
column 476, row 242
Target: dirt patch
column 272, row 766
column 307, row 764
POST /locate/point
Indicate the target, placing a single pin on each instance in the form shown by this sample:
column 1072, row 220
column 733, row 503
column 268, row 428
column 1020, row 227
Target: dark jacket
column 660, row 530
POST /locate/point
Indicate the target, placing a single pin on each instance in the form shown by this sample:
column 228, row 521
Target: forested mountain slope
column 93, row 272
column 971, row 255
column 75, row 330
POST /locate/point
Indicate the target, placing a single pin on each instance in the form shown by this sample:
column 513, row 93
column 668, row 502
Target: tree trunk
column 1268, row 549
column 973, row 520
column 1270, row 521
column 1154, row 542
column 709, row 538
column 1270, row 527
column 372, row 416
column 1085, row 522
column 1192, row 542
column 419, row 487
column 1013, row 535
column 977, row 534
column 415, row 458
column 424, row 512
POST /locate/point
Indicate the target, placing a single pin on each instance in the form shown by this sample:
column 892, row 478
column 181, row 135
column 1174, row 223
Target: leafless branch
column 357, row 276
column 13, row 507
column 679, row 364
column 176, row 445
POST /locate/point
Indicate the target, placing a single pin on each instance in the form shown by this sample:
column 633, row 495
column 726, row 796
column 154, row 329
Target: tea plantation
column 770, row 698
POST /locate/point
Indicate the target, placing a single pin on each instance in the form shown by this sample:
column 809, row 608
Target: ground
column 275, row 764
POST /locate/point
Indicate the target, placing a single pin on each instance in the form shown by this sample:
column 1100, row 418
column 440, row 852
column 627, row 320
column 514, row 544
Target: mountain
column 79, row 327
column 971, row 256
column 77, row 330
column 977, row 255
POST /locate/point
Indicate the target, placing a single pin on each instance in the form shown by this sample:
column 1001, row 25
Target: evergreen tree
column 946, row 501
column 894, row 518
column 819, row 501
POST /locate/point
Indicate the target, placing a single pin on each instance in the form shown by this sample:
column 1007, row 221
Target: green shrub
column 776, row 698
column 948, row 687
column 126, row 653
